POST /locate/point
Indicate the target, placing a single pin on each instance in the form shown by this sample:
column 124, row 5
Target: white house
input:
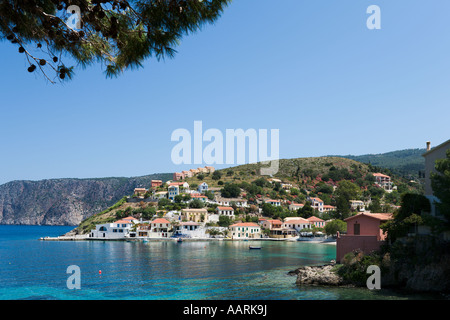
column 357, row 205
column 245, row 230
column 295, row 206
column 275, row 203
column 296, row 223
column 203, row 187
column 239, row 202
column 316, row 203
column 116, row 230
column 173, row 191
column 190, row 229
column 225, row 211
column 383, row 181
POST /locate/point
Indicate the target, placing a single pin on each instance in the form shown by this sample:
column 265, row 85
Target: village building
column 272, row 224
column 245, row 230
column 383, row 181
column 173, row 191
column 156, row 183
column 363, row 233
column 296, row 223
column 238, row 202
column 276, row 203
column 203, row 187
column 357, row 205
column 316, row 203
column 140, row 192
column 119, row 229
column 225, row 211
column 195, row 215
column 296, row 206
column 317, row 222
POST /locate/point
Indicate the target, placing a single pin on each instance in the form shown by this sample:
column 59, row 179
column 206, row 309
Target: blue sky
column 311, row 69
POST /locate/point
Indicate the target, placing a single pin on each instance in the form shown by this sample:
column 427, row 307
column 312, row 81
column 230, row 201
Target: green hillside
column 407, row 163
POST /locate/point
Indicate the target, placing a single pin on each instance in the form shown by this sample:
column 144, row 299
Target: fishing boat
column 179, row 240
column 253, row 247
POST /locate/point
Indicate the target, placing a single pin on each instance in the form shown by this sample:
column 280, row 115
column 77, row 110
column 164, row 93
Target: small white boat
column 253, row 247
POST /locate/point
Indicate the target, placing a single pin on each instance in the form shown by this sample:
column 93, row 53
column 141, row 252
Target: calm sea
column 34, row 269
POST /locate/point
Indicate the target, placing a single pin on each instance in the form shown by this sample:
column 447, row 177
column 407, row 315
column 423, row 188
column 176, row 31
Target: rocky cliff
column 64, row 201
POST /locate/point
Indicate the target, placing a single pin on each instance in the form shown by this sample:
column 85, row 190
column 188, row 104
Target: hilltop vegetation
column 407, row 163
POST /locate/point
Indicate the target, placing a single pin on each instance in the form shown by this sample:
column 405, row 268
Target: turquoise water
column 33, row 269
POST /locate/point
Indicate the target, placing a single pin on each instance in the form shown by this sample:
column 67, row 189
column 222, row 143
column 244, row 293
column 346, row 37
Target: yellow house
column 195, row 215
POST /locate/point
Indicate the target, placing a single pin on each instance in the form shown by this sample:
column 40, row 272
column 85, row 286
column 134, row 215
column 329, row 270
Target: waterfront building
column 317, row 222
column 296, row 223
column 119, row 229
column 245, row 230
column 363, row 233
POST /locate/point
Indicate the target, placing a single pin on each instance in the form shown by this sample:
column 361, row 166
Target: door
column 356, row 229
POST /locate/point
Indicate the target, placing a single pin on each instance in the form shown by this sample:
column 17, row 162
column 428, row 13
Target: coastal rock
column 318, row 276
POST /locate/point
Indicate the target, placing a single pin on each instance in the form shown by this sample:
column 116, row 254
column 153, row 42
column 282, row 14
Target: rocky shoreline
column 322, row 275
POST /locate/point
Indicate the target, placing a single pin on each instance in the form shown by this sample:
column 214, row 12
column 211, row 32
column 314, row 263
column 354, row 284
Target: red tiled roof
column 298, row 220
column 123, row 221
column 379, row 216
column 245, row 224
column 380, row 175
column 225, row 208
column 160, row 220
column 313, row 218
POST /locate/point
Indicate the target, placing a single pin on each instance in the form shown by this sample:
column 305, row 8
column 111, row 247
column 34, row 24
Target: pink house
column 363, row 233
column 177, row 176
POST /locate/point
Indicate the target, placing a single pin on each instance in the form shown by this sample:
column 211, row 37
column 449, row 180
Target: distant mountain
column 64, row 201
column 406, row 163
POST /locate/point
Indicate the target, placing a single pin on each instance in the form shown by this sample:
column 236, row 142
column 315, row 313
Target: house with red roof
column 245, row 230
column 275, row 203
column 317, row 222
column 363, row 233
column 225, row 211
column 383, row 181
column 272, row 224
column 316, row 203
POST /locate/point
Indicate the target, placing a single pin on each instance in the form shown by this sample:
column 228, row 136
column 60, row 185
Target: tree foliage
column 440, row 183
column 119, row 34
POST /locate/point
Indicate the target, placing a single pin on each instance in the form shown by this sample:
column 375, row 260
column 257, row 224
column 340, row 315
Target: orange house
column 363, row 233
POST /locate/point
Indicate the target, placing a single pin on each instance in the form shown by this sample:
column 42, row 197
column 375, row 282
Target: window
column 356, row 229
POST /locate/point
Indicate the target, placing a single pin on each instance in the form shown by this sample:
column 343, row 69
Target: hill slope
column 406, row 163
column 64, row 201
